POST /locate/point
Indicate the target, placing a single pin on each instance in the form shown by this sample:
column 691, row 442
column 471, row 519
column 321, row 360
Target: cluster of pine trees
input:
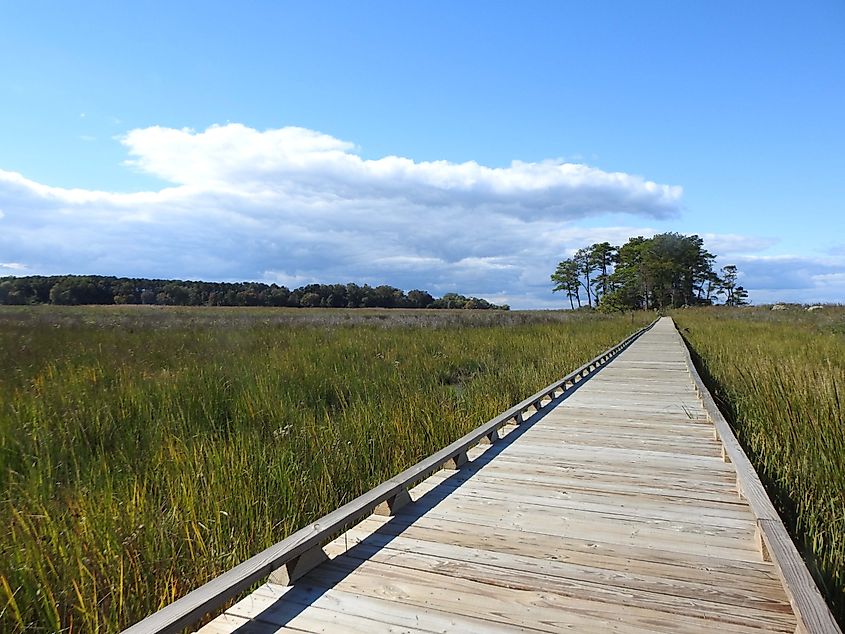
column 97, row 289
column 669, row 270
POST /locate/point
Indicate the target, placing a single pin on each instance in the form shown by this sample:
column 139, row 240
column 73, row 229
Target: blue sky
column 260, row 140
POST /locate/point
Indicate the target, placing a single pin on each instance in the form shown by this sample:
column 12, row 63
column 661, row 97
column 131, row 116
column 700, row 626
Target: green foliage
column 566, row 278
column 585, row 265
column 734, row 295
column 665, row 271
column 145, row 450
column 780, row 376
column 603, row 256
column 76, row 290
column 455, row 300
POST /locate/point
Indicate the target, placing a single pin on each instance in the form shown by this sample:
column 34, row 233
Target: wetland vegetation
column 146, row 449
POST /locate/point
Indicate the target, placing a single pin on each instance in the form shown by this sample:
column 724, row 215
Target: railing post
column 457, row 461
column 490, row 438
column 391, row 505
column 298, row 566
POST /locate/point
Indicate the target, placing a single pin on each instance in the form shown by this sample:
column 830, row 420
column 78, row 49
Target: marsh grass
column 780, row 376
column 145, row 451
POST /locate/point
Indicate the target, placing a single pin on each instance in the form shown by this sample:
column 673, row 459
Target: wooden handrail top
column 210, row 596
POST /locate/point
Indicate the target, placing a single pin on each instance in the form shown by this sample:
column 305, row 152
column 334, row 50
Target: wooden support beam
column 299, row 566
column 761, row 544
column 457, row 461
column 490, row 438
column 391, row 505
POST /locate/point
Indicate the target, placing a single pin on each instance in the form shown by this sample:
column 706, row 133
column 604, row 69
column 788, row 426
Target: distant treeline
column 97, row 289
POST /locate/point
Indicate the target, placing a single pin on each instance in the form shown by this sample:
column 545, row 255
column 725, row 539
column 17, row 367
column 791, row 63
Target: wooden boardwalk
column 614, row 512
column 622, row 503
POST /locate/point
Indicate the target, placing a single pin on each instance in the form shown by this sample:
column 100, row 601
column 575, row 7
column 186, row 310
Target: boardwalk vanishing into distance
column 621, row 503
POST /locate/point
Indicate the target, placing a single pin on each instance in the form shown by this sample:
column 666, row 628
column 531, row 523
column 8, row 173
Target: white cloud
column 727, row 244
column 296, row 206
column 15, row 267
column 792, row 278
column 830, row 279
column 488, row 263
column 307, row 167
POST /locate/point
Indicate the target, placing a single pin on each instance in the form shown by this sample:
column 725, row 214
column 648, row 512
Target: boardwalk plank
column 584, row 581
column 313, row 608
column 753, row 574
column 627, row 572
column 514, row 601
column 666, row 508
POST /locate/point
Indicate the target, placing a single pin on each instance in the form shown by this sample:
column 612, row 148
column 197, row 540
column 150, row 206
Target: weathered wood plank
column 671, row 579
column 517, row 602
column 594, row 475
column 587, row 582
column 655, row 507
column 588, row 551
column 685, row 537
column 315, row 609
column 631, row 496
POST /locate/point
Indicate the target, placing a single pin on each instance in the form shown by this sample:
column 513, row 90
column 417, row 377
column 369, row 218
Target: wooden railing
column 296, row 555
column 813, row 614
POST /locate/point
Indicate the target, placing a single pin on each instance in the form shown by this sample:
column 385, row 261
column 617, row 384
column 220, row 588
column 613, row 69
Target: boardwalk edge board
column 288, row 555
column 808, row 604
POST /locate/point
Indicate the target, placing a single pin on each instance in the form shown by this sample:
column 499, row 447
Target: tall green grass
column 145, row 451
column 780, row 377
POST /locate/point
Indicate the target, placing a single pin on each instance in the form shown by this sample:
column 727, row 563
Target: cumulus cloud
column 307, row 167
column 13, row 267
column 792, row 278
column 830, row 279
column 729, row 244
column 295, row 206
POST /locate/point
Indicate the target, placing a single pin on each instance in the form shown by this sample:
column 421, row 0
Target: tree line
column 97, row 289
column 669, row 270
